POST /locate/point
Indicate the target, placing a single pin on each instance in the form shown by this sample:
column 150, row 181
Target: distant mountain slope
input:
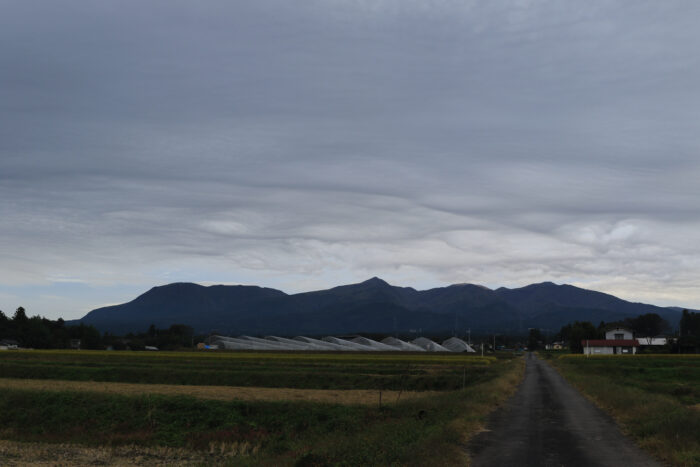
column 371, row 306
column 531, row 298
column 184, row 303
column 373, row 290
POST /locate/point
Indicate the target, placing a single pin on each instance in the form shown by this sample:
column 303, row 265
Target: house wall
column 625, row 334
column 609, row 350
column 598, row 350
column 652, row 340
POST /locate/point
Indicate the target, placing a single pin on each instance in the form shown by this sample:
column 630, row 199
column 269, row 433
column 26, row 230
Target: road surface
column 549, row 423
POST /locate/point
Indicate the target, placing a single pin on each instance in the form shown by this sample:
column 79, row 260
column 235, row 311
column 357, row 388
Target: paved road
column 549, row 423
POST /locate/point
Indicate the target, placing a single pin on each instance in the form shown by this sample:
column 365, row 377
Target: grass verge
column 666, row 425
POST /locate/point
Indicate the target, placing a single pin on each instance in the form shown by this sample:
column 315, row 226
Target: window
column 619, row 335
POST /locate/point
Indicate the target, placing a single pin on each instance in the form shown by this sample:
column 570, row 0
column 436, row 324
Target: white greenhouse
column 455, row 344
column 429, row 345
column 398, row 344
column 334, row 344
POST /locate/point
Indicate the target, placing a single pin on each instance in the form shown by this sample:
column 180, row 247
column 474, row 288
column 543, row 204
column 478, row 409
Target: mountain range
column 372, row 306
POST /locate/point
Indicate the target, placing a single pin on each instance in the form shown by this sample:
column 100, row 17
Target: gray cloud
column 306, row 145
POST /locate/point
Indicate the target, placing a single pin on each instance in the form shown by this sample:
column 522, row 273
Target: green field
column 677, row 376
column 422, row 372
column 655, row 398
column 280, row 432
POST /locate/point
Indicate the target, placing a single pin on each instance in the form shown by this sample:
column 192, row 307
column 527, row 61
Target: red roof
column 610, row 343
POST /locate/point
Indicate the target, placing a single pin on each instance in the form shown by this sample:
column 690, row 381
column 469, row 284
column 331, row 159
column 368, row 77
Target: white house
column 618, row 334
column 618, row 341
column 8, row 344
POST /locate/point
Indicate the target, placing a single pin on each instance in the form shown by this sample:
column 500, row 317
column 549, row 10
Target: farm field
column 419, row 372
column 677, row 376
column 13, row 453
column 222, row 393
column 655, row 398
column 284, row 409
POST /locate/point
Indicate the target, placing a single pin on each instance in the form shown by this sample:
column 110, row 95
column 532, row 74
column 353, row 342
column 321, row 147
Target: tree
column 689, row 335
column 648, row 325
column 5, row 325
column 690, row 324
column 36, row 334
column 576, row 332
column 20, row 316
column 91, row 338
column 535, row 339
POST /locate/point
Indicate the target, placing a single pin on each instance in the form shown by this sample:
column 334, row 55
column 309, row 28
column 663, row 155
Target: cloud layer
column 301, row 146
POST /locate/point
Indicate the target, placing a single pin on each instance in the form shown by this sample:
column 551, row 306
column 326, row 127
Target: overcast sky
column 307, row 144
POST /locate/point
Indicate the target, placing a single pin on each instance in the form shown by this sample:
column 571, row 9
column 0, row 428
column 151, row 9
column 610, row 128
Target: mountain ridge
column 372, row 306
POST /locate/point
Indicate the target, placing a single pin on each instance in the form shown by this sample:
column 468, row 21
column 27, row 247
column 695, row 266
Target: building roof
column 610, row 343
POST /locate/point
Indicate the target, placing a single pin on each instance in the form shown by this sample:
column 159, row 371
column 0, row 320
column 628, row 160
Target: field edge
column 657, row 423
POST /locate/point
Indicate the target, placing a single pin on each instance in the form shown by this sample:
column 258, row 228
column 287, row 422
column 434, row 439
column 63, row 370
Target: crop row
column 307, row 372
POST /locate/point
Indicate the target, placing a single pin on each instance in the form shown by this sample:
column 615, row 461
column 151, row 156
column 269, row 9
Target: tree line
column 41, row 333
column 690, row 331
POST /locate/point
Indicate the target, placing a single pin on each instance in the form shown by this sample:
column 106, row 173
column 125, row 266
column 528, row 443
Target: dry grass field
column 16, row 454
column 221, row 393
column 374, row 371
